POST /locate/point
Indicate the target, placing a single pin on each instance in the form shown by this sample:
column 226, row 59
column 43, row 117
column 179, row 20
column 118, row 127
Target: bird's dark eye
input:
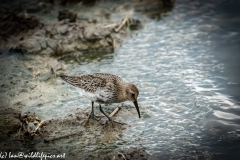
column 133, row 95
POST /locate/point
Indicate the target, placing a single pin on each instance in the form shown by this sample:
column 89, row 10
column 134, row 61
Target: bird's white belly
column 100, row 94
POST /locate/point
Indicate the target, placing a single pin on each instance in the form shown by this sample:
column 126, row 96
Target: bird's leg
column 92, row 112
column 100, row 107
column 105, row 114
column 91, row 115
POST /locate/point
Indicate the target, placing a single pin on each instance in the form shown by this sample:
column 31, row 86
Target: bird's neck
column 123, row 92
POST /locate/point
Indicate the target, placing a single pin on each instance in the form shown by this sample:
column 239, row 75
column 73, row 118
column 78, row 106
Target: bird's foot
column 120, row 123
column 92, row 116
column 112, row 122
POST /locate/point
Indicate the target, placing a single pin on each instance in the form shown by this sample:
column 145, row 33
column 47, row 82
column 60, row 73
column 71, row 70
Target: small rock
column 63, row 29
column 31, row 46
column 51, row 43
column 89, row 33
column 66, row 14
column 42, row 43
column 45, row 76
column 50, row 31
column 47, row 51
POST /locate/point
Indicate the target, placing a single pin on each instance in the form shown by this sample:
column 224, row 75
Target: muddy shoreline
column 17, row 135
column 35, row 36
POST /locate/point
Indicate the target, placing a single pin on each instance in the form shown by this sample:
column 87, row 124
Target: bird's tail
column 63, row 77
column 71, row 80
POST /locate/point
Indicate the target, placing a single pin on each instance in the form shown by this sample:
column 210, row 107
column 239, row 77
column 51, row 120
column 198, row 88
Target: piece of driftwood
column 39, row 125
column 115, row 111
column 60, row 137
column 111, row 25
column 122, row 155
column 122, row 24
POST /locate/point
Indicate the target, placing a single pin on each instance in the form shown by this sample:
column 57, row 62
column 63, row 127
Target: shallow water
column 186, row 68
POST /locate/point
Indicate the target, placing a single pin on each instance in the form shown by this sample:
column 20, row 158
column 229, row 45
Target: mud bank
column 80, row 28
column 29, row 85
column 35, row 36
column 65, row 36
column 30, row 133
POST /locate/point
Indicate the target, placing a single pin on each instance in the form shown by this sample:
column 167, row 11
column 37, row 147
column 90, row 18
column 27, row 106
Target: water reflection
column 182, row 68
column 227, row 116
column 87, row 57
column 174, row 64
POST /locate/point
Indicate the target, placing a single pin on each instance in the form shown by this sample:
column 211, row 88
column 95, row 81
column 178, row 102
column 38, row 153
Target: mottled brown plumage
column 104, row 88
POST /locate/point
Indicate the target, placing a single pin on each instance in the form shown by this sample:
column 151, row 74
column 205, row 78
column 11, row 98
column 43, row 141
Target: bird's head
column 132, row 94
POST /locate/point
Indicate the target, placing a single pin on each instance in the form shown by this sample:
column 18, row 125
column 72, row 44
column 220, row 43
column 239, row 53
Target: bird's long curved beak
column 136, row 105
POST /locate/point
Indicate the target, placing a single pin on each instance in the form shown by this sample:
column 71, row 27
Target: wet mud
column 31, row 133
column 36, row 38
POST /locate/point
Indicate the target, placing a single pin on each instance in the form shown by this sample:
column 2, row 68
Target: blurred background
column 182, row 55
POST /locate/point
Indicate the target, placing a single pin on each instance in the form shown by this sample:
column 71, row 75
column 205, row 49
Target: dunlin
column 104, row 88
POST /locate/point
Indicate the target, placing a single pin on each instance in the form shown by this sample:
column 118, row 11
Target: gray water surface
column 187, row 71
column 186, row 68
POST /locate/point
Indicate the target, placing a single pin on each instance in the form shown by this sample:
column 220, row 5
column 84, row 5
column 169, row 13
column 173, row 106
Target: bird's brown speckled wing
column 91, row 82
column 85, row 82
column 109, row 77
